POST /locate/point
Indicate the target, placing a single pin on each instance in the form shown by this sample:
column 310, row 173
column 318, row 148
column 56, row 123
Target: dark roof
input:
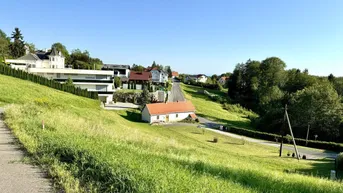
column 53, row 52
column 29, row 56
column 115, row 67
column 140, row 75
column 43, row 55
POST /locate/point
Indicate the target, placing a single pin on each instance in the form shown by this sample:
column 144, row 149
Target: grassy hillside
column 85, row 148
column 213, row 110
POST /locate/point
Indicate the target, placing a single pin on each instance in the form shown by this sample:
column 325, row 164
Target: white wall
column 172, row 116
column 202, row 79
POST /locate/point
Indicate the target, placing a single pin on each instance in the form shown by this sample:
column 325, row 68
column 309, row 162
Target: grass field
column 213, row 110
column 87, row 149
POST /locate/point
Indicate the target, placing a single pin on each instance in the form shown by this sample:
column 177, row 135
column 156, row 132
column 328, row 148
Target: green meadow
column 84, row 148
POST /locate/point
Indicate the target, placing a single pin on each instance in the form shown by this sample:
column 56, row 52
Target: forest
column 314, row 103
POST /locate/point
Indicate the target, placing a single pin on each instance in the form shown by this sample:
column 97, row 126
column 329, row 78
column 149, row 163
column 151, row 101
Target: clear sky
column 192, row 36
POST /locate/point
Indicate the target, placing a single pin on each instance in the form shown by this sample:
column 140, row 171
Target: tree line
column 15, row 47
column 314, row 103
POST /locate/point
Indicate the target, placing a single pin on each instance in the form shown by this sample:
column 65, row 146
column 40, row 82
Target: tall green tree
column 32, row 47
column 17, row 47
column 318, row 106
column 145, row 97
column 60, row 47
column 137, row 68
column 4, row 46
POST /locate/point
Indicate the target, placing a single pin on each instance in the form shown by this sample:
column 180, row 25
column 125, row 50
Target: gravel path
column 16, row 176
column 176, row 93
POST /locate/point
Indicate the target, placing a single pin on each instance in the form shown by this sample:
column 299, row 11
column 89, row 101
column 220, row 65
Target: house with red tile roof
column 168, row 112
column 138, row 79
column 175, row 74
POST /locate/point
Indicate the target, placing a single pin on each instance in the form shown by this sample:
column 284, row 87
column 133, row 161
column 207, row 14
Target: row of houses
column 52, row 65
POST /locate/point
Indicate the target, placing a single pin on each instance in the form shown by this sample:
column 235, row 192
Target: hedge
column 272, row 137
column 6, row 70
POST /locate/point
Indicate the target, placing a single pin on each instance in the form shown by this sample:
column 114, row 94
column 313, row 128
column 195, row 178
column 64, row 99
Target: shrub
column 339, row 161
column 215, row 140
column 304, row 156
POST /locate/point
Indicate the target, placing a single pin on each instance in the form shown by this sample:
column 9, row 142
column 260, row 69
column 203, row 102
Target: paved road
column 310, row 153
column 16, row 176
column 176, row 93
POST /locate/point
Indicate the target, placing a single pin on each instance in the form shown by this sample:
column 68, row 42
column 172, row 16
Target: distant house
column 197, row 78
column 168, row 112
column 223, row 80
column 139, row 78
column 159, row 76
column 175, row 74
column 40, row 59
column 119, row 70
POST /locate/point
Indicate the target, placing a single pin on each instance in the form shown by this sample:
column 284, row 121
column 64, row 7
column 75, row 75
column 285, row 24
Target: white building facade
column 51, row 65
column 168, row 112
column 159, row 76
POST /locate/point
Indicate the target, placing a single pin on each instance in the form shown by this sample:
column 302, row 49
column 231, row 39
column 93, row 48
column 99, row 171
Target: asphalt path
column 16, row 176
column 176, row 93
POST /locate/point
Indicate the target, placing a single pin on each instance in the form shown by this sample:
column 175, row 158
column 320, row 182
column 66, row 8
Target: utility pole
column 282, row 132
column 290, row 129
column 308, row 131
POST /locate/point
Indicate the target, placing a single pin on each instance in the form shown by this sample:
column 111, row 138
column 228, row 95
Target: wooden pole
column 281, row 145
column 290, row 129
column 308, row 131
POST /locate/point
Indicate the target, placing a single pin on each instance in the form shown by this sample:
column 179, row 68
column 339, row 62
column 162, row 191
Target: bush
column 215, row 140
column 339, row 161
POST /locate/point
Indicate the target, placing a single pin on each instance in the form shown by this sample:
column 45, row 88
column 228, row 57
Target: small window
column 177, row 115
column 158, row 117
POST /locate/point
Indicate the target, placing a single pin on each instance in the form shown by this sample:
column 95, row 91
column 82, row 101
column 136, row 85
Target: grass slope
column 213, row 110
column 87, row 149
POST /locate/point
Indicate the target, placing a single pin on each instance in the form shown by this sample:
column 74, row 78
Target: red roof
column 139, row 75
column 175, row 73
column 193, row 116
column 173, row 107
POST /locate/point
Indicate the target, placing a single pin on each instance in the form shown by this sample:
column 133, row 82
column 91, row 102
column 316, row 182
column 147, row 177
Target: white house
column 51, row 65
column 159, row 76
column 40, row 59
column 197, row 78
column 168, row 112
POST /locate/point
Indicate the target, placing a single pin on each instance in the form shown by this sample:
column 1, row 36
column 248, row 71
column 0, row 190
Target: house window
column 177, row 115
column 158, row 117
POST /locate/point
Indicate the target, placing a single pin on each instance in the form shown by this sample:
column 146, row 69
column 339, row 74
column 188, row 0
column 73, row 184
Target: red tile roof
column 175, row 73
column 173, row 107
column 139, row 75
column 193, row 116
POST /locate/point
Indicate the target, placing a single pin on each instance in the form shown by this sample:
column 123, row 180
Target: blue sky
column 192, row 36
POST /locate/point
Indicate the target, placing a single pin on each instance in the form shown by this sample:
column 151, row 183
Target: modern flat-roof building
column 51, row 65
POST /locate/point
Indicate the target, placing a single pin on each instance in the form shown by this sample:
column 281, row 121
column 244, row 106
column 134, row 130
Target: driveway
column 15, row 176
column 310, row 153
column 176, row 93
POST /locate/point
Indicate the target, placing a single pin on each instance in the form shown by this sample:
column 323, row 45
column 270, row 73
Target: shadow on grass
column 132, row 116
column 233, row 143
column 320, row 168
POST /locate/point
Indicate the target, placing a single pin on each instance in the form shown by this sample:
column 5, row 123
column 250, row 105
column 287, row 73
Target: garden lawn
column 87, row 149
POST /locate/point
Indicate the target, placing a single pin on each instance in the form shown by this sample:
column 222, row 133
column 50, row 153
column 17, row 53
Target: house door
column 167, row 118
